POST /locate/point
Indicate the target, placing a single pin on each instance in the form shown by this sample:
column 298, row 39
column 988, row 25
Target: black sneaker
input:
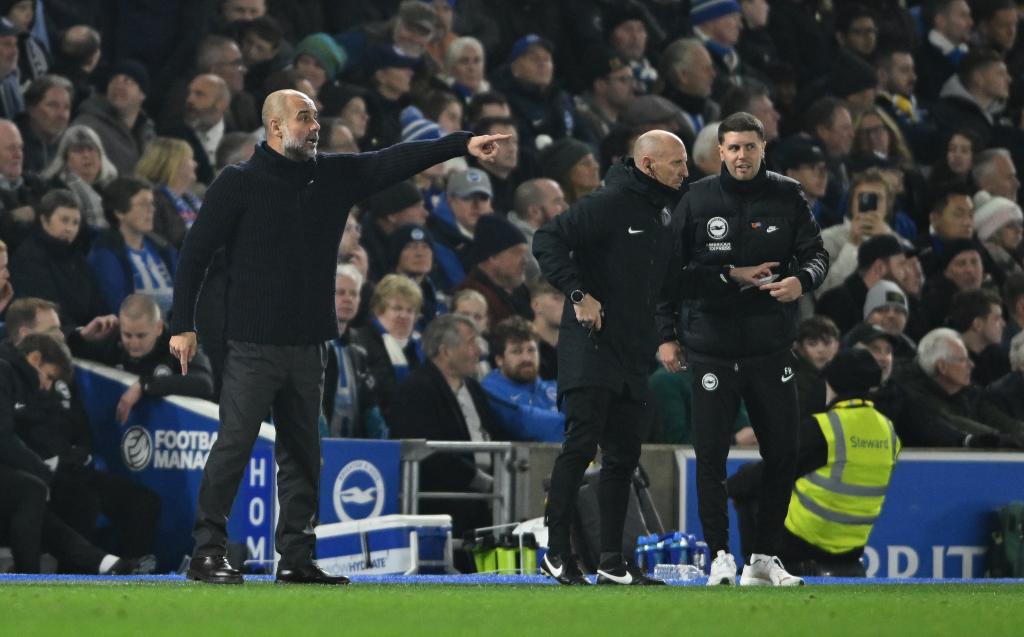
column 626, row 575
column 565, row 571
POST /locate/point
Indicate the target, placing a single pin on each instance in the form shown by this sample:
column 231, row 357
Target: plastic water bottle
column 677, row 572
column 700, row 556
column 678, row 549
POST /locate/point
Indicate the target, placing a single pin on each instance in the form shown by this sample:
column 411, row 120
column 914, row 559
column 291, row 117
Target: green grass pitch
column 190, row 610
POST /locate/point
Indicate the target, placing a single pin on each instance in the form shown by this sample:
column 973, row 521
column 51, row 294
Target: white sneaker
column 723, row 570
column 767, row 570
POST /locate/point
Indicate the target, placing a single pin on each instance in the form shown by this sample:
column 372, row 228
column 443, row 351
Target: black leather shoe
column 309, row 574
column 213, row 569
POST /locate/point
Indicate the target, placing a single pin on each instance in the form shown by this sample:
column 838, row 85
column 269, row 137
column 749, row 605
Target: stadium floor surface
column 502, row 605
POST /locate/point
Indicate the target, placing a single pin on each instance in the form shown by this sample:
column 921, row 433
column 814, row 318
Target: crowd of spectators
column 902, row 121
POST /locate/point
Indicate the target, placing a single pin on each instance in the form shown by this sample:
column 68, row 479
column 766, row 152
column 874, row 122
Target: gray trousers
column 258, row 380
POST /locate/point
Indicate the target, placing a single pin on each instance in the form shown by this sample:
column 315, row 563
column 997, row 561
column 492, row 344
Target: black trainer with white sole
column 626, row 576
column 564, row 570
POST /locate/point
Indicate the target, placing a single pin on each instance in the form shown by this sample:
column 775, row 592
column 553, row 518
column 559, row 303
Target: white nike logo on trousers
column 786, row 378
column 632, row 231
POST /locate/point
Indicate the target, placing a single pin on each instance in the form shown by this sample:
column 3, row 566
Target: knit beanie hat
column 852, row 373
column 558, row 159
column 702, row 11
column 392, row 200
column 950, row 250
column 885, row 294
column 494, row 234
column 992, row 213
column 402, row 237
column 134, row 70
column 416, row 127
column 619, row 13
column 852, row 75
column 324, row 50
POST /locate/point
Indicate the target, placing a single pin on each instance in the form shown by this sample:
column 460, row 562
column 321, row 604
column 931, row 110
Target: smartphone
column 867, row 201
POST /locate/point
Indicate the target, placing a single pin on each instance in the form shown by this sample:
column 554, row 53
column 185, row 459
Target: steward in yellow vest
column 846, row 459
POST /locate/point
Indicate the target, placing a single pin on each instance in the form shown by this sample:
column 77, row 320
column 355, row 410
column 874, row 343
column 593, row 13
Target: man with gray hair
column 688, row 74
column 706, row 159
column 940, row 385
column 536, row 201
column 441, row 400
column 995, row 173
column 205, row 107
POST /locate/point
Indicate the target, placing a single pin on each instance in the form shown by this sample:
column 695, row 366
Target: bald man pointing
column 609, row 255
column 280, row 217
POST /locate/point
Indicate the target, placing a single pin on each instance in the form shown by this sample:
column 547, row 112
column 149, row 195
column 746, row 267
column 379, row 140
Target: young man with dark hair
column 817, row 341
column 975, row 96
column 938, row 57
column 747, row 265
column 526, row 406
column 978, row 316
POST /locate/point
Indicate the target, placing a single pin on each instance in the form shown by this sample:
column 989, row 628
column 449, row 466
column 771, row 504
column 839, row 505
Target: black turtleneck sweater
column 281, row 221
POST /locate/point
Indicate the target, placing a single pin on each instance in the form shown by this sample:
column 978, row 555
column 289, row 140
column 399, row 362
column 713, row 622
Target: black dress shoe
column 213, row 569
column 309, row 574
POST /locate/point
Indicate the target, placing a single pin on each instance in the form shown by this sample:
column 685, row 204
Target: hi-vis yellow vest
column 835, row 507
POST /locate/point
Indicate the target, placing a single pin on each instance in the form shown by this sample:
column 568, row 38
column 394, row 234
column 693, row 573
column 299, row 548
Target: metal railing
column 502, row 491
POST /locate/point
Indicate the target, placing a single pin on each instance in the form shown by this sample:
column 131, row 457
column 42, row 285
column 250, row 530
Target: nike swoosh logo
column 555, row 572
column 627, row 579
column 632, row 231
column 772, row 229
column 786, row 379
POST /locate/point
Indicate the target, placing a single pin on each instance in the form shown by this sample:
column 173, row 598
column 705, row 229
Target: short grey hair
column 455, row 50
column 350, row 271
column 937, row 345
column 678, row 55
column 706, row 143
column 444, row 330
column 1017, row 351
column 985, row 160
column 529, row 193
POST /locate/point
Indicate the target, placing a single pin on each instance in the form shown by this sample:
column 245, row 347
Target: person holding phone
column 868, row 210
column 749, row 247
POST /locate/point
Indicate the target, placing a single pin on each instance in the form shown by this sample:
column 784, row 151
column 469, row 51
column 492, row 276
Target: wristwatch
column 576, row 296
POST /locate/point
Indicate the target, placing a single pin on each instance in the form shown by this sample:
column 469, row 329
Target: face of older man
column 11, row 151
column 956, row 369
column 206, row 102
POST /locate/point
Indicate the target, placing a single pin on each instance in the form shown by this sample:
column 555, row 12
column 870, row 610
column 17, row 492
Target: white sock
column 107, row 563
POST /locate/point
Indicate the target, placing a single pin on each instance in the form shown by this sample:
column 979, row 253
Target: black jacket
column 51, row 269
column 52, row 423
column 363, row 394
column 379, row 364
column 426, row 407
column 1007, row 394
column 724, row 222
column 159, row 371
column 15, row 384
column 844, row 304
column 615, row 245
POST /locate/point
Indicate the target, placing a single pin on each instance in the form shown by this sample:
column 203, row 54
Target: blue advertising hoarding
column 164, row 446
column 937, row 517
column 359, row 479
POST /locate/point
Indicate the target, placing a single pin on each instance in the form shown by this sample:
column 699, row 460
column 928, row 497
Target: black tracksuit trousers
column 595, row 416
column 767, row 387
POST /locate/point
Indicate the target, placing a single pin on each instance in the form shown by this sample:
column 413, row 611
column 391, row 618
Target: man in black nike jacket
column 609, row 254
column 750, row 248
